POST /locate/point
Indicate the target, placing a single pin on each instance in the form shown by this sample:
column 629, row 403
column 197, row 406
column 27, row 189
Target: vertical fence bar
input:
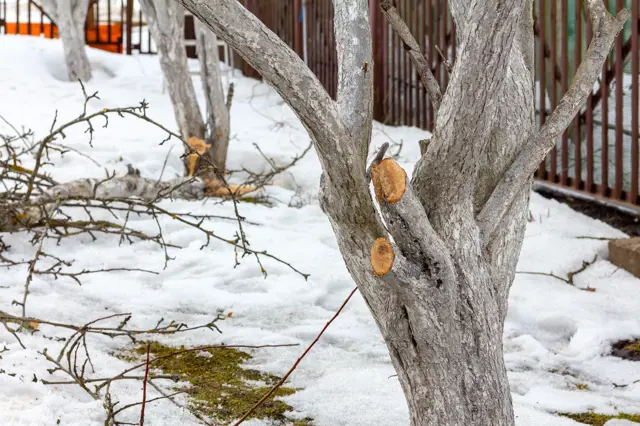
column 604, row 102
column 444, row 44
column 542, row 92
column 407, row 68
column 29, row 17
column 434, row 41
column 392, row 94
column 316, row 38
column 420, row 27
column 51, row 25
column 590, row 185
column 577, row 128
column 97, row 23
column 129, row 29
column 323, row 53
column 619, row 113
column 564, row 54
column 453, row 39
column 297, row 28
column 139, row 30
column 635, row 62
column 410, row 71
column 385, row 66
column 109, row 22
column 376, row 67
column 327, row 52
column 553, row 90
column 429, row 54
column 420, row 106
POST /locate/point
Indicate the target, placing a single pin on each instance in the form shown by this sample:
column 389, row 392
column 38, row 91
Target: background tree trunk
column 218, row 125
column 166, row 21
column 69, row 16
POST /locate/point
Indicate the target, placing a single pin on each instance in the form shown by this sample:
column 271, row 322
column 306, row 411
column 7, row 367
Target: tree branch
column 606, row 28
column 355, row 80
column 408, row 223
column 107, row 189
column 413, row 49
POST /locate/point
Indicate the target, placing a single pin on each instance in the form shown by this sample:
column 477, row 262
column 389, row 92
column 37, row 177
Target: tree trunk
column 166, row 21
column 70, row 16
column 458, row 224
column 218, row 125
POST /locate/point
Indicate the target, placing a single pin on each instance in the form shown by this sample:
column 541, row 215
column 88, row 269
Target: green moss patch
column 627, row 349
column 218, row 386
column 596, row 419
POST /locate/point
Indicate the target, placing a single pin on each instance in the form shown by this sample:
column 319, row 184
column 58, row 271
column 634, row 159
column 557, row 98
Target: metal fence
column 598, row 154
column 103, row 28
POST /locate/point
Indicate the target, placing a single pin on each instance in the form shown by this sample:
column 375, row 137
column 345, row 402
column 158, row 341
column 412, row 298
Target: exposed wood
column 382, row 256
column 389, row 180
column 193, row 159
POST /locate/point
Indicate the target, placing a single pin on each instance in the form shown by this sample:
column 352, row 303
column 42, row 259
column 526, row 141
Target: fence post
column 377, row 23
column 129, row 26
column 297, row 28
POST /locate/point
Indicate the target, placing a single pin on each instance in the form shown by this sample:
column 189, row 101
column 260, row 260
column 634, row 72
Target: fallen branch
column 570, row 276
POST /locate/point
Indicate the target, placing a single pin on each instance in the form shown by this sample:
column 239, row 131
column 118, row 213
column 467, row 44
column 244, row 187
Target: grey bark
column 218, row 125
column 16, row 216
column 166, row 22
column 458, row 227
column 69, row 16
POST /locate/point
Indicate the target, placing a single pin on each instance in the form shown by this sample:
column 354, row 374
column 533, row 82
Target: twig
column 377, row 159
column 286, row 376
column 144, row 386
column 447, row 64
column 570, row 276
column 413, row 49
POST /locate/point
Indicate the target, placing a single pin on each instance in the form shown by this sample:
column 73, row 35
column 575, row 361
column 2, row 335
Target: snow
column 556, row 336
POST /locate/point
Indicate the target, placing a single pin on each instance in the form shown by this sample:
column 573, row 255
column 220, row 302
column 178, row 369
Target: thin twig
column 295, row 365
column 144, row 386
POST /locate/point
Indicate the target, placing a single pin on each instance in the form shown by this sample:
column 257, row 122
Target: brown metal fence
column 597, row 155
column 103, row 28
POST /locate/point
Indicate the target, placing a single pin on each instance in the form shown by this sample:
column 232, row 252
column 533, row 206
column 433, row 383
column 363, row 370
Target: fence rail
column 597, row 155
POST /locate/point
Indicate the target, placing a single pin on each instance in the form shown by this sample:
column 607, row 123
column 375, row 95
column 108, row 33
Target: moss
column 256, row 200
column 633, row 347
column 218, row 387
column 596, row 419
column 582, row 386
column 627, row 349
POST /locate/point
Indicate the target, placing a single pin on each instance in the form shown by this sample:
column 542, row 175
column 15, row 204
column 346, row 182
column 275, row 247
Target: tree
column 69, row 16
column 439, row 292
column 218, row 125
column 166, row 21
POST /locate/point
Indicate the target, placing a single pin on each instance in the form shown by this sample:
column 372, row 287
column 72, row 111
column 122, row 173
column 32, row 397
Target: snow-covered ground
column 556, row 338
